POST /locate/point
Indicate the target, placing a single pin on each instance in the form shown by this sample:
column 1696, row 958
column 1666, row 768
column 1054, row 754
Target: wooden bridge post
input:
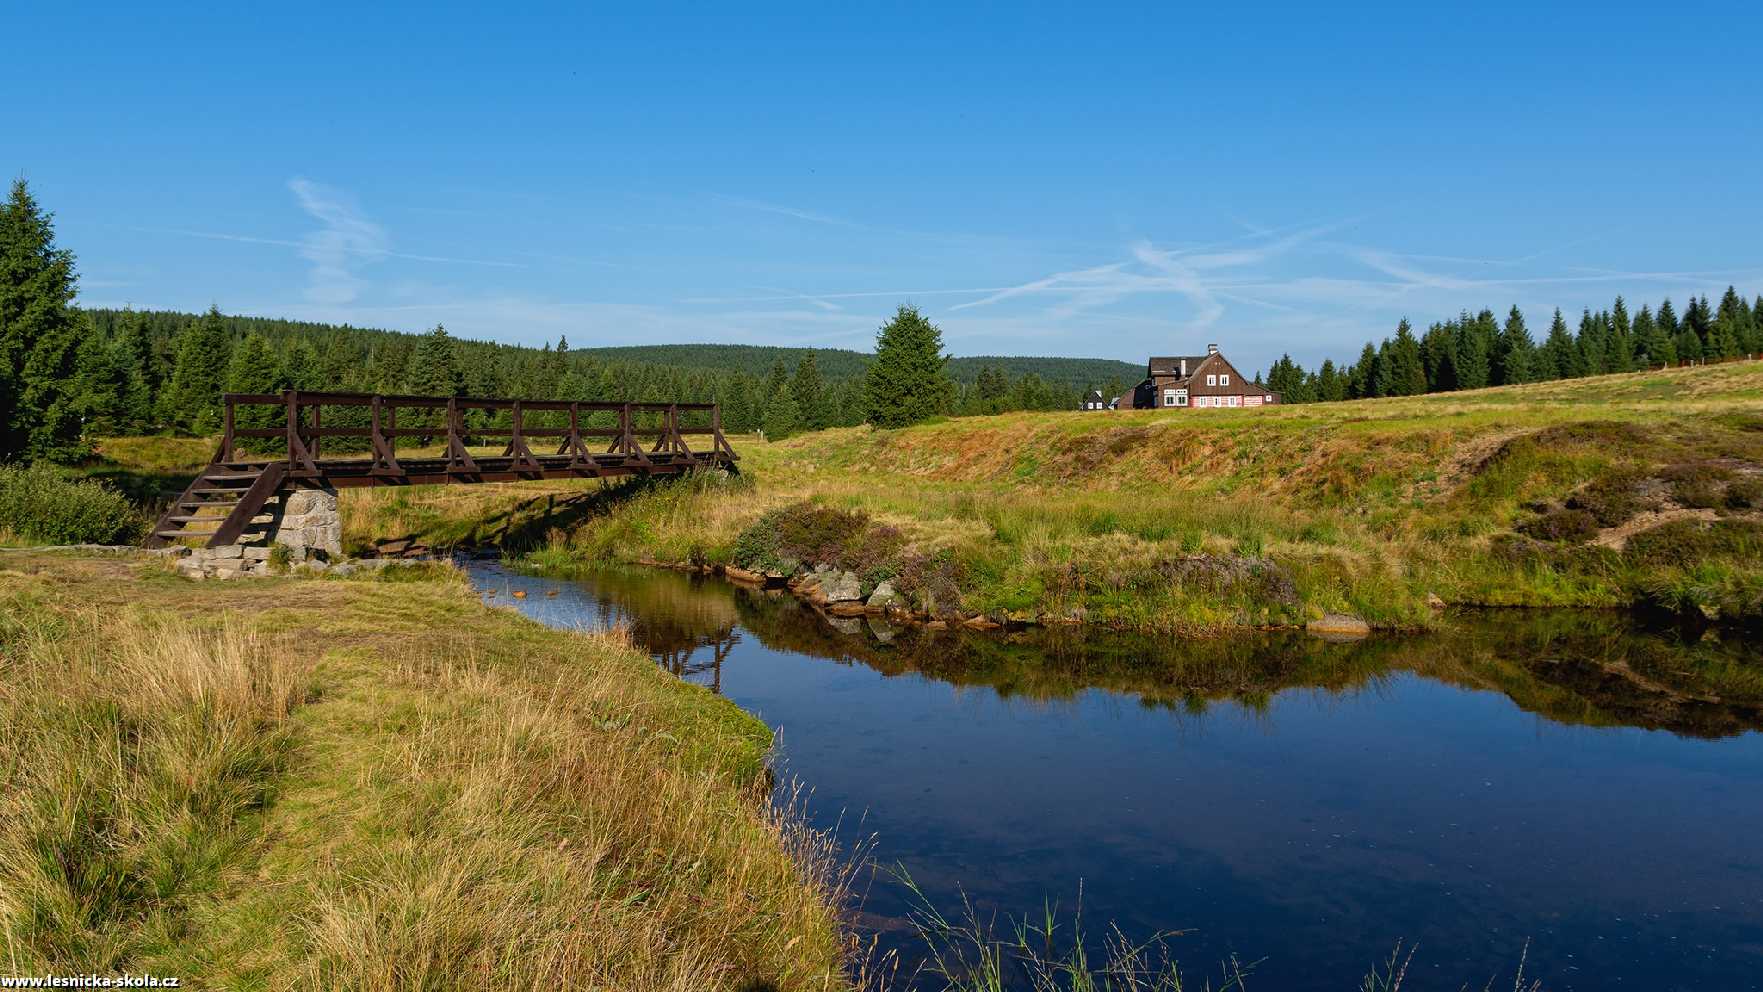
column 317, row 438
column 291, row 399
column 226, row 439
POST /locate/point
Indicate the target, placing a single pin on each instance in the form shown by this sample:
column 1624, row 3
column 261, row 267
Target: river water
column 1570, row 784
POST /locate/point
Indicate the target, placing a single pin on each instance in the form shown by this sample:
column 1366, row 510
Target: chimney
column 1211, row 349
column 1184, row 368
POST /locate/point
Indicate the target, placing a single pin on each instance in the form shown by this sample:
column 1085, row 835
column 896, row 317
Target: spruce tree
column 102, row 381
column 1688, row 344
column 908, row 381
column 1361, row 377
column 1438, row 348
column 1591, row 345
column 992, row 389
column 1031, row 393
column 1473, row 361
column 134, row 351
column 192, row 398
column 39, row 336
column 1559, row 356
column 1732, row 330
column 301, row 369
column 1668, row 324
column 1698, row 318
column 1402, row 373
column 1651, row 346
column 434, row 367
column 1619, row 355
column 1515, row 358
column 253, row 367
column 1331, row 386
column 810, row 394
column 781, row 416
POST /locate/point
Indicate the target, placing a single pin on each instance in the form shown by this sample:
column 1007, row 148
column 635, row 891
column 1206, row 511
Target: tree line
column 1475, row 351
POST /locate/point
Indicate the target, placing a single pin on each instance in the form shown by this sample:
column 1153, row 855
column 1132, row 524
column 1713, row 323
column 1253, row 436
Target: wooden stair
column 240, row 488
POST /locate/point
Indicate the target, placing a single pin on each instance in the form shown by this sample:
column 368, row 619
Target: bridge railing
column 370, row 427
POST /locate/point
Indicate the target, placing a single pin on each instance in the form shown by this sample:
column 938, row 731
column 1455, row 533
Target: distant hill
column 843, row 363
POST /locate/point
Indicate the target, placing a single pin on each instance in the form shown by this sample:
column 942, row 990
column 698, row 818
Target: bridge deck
column 647, row 439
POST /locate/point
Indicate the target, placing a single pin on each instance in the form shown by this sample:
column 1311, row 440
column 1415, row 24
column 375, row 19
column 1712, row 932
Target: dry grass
column 293, row 784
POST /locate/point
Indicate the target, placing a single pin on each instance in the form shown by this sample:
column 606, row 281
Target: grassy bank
column 1607, row 492
column 372, row 784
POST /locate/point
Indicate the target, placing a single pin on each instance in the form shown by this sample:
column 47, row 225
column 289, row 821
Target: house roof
column 1173, row 365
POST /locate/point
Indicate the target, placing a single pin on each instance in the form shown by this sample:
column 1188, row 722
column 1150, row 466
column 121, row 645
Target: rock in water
column 1338, row 625
column 885, row 598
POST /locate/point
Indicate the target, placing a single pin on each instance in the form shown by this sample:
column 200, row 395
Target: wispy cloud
column 1151, row 270
column 338, row 249
column 784, row 210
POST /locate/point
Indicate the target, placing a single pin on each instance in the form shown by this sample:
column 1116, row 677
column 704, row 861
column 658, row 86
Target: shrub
column 1745, row 493
column 38, row 503
column 1699, row 486
column 1612, row 499
column 1687, row 543
column 1572, row 526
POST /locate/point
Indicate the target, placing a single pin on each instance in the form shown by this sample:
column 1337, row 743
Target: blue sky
column 1066, row 181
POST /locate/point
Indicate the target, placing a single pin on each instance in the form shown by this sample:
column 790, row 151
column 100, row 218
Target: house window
column 1224, row 380
column 1236, row 401
column 1211, row 380
column 1181, row 397
column 1169, row 397
column 1270, row 397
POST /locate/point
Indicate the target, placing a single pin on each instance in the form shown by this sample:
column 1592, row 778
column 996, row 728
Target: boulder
column 885, row 598
column 842, row 587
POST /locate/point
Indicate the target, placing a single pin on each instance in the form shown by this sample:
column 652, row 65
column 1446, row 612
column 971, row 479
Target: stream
column 1567, row 788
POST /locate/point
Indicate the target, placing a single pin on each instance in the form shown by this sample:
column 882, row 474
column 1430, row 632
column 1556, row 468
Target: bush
column 1745, row 493
column 1573, row 526
column 1689, row 543
column 38, row 503
column 1613, row 499
column 1702, row 487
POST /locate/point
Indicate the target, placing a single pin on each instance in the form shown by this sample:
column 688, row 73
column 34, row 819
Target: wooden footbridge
column 642, row 439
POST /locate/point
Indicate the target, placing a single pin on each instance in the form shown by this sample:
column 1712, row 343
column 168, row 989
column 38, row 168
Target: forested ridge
column 1471, row 352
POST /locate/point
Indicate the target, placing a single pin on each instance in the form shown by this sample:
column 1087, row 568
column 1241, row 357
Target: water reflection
column 1566, row 779
column 1587, row 669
